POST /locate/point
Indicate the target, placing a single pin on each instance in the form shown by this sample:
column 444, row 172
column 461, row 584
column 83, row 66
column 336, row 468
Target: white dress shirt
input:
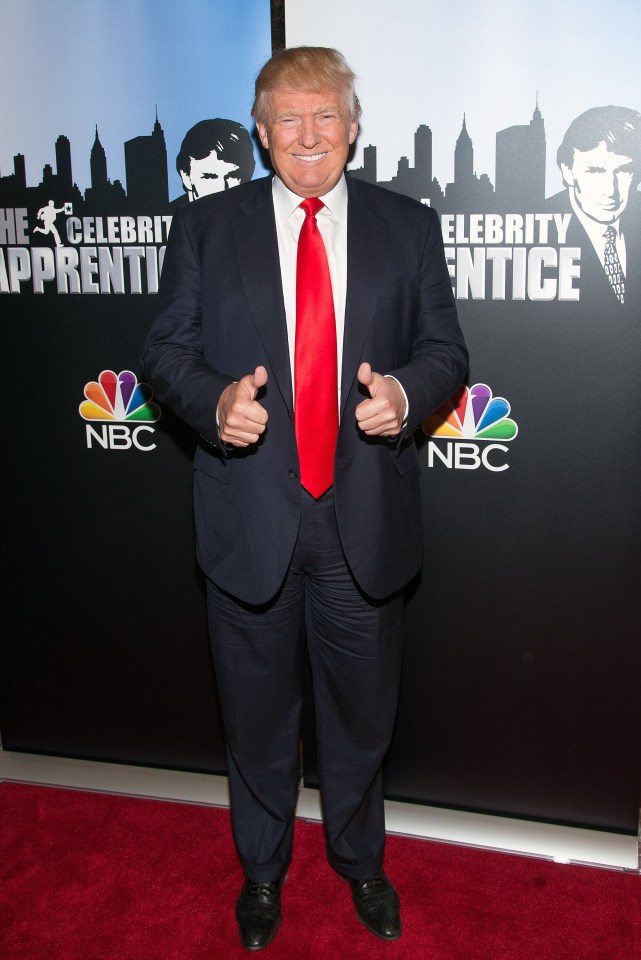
column 332, row 225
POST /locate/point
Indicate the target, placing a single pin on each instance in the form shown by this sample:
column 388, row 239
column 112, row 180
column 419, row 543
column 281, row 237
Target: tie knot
column 610, row 234
column 311, row 206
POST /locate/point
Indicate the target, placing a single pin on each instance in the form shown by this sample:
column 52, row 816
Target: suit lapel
column 366, row 246
column 257, row 252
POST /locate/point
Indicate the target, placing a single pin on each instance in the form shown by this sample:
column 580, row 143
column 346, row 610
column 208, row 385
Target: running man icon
column 48, row 216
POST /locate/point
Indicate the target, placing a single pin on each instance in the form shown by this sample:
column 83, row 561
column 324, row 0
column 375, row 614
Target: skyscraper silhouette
column 415, row 181
column 103, row 196
column 368, row 170
column 98, row 164
column 423, row 160
column 19, row 171
column 468, row 192
column 463, row 157
column 13, row 187
column 63, row 163
column 520, row 165
column 146, row 170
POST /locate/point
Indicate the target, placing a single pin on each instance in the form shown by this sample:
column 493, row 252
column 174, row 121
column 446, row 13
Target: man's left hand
column 383, row 413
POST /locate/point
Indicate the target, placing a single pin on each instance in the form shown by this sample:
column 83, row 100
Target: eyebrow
column 208, row 175
column 328, row 108
column 623, row 167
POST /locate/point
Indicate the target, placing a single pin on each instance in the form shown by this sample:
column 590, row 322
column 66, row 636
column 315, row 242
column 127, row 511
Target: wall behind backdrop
column 521, row 663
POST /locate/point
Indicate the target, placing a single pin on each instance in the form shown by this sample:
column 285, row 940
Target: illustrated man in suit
column 600, row 160
column 214, row 155
column 305, row 344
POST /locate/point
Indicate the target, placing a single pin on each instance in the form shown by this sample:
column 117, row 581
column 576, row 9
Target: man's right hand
column 241, row 419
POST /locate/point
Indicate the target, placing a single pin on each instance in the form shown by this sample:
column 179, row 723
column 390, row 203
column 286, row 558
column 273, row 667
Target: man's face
column 601, row 181
column 209, row 175
column 308, row 136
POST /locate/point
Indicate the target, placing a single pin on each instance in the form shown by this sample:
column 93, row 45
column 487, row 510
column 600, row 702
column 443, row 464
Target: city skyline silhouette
column 518, row 185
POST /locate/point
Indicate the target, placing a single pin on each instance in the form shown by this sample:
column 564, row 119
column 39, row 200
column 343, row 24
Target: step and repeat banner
column 113, row 112
column 519, row 125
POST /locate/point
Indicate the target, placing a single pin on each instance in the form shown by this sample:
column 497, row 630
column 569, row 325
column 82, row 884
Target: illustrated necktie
column 315, row 364
column 612, row 264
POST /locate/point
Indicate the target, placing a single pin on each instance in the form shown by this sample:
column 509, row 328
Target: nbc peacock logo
column 123, row 407
column 472, row 414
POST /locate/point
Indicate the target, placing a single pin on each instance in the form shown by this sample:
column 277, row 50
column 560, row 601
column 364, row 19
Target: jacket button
column 293, row 475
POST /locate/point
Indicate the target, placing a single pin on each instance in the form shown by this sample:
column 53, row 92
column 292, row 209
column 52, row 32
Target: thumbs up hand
column 383, row 414
column 241, row 418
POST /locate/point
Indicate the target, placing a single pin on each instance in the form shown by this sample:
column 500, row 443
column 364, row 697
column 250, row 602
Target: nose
column 611, row 186
column 309, row 134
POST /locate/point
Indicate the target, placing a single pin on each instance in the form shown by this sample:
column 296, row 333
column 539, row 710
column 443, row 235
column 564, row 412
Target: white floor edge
column 548, row 841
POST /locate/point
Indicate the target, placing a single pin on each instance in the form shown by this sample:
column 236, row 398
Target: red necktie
column 315, row 366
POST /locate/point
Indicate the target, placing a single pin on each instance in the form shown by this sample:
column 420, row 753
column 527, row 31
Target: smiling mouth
column 309, row 157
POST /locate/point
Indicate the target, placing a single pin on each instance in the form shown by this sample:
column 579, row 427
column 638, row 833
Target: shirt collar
column 286, row 202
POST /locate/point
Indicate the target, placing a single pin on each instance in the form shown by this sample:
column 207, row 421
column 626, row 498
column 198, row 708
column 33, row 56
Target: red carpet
column 91, row 877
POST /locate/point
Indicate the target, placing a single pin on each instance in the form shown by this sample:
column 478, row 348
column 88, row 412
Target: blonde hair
column 306, row 68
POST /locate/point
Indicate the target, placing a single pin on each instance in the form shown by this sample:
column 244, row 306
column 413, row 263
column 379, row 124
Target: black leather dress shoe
column 377, row 906
column 258, row 913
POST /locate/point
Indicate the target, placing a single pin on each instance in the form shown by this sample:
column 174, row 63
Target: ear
column 566, row 172
column 187, row 184
column 353, row 131
column 262, row 133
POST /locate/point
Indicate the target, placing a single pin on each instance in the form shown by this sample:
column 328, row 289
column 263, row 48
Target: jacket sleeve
column 438, row 357
column 173, row 359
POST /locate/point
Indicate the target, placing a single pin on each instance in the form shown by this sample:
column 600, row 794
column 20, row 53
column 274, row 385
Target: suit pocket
column 405, row 456
column 213, row 464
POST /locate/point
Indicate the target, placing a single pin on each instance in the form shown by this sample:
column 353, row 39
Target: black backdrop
column 107, row 656
column 522, row 638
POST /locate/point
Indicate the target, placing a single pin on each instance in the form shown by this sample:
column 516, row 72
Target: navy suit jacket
column 221, row 314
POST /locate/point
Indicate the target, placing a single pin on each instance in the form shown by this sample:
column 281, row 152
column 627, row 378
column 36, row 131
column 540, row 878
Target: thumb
column 256, row 380
column 365, row 375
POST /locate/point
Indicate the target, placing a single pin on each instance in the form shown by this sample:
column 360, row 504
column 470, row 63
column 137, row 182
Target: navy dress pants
column 354, row 646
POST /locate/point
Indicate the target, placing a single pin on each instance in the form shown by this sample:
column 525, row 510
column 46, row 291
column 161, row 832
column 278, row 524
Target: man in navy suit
column 287, row 568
